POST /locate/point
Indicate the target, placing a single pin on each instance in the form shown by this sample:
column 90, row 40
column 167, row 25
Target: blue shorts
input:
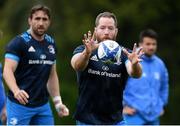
column 136, row 119
column 21, row 115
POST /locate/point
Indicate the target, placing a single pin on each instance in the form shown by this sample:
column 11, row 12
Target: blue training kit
column 148, row 94
column 35, row 60
column 21, row 115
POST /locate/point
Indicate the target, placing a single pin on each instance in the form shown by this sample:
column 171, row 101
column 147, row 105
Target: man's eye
column 111, row 28
column 37, row 18
column 45, row 19
column 102, row 27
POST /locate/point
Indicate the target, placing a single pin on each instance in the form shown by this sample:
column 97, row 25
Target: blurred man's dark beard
column 38, row 33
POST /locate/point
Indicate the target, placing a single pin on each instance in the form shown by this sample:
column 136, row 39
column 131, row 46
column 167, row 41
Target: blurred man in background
column 30, row 73
column 2, row 100
column 146, row 97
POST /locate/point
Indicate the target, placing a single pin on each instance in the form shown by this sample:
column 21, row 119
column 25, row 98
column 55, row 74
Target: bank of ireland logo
column 42, row 56
column 51, row 49
column 105, row 68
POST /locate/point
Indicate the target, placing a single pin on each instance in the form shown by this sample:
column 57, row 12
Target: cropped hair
column 148, row 33
column 38, row 8
column 106, row 14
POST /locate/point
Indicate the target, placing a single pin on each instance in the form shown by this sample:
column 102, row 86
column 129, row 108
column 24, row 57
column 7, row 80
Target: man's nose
column 40, row 22
column 106, row 31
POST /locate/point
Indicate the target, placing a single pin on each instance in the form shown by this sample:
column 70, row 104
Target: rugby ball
column 109, row 51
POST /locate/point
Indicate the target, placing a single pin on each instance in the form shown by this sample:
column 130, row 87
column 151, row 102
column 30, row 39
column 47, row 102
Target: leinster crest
column 51, row 49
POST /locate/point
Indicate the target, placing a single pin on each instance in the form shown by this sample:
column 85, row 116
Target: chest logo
column 42, row 56
column 94, row 58
column 31, row 49
column 51, row 49
column 105, row 68
column 144, row 75
column 156, row 75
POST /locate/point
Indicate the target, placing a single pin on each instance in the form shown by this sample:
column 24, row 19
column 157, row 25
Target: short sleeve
column 79, row 49
column 13, row 49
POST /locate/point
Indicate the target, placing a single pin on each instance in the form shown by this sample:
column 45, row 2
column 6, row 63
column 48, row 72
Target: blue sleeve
column 164, row 90
column 14, row 49
column 2, row 92
column 79, row 49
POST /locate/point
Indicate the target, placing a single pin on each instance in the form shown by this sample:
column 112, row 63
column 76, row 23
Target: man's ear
column 140, row 44
column 49, row 21
column 29, row 21
column 94, row 34
column 95, row 29
column 116, row 32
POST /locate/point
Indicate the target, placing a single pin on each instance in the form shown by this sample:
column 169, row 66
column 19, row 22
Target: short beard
column 103, row 39
column 38, row 33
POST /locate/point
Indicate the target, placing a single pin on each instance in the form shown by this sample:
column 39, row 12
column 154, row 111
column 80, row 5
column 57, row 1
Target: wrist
column 57, row 102
column 86, row 54
column 15, row 92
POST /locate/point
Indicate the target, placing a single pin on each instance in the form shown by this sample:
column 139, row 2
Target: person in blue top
column 2, row 100
column 145, row 98
column 101, row 85
column 30, row 73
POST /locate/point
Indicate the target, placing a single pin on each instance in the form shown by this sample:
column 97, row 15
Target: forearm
column 134, row 70
column 164, row 92
column 80, row 61
column 10, row 80
column 53, row 86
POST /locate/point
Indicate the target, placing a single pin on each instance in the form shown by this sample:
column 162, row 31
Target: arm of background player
column 8, row 74
column 164, row 89
column 53, row 89
column 3, row 115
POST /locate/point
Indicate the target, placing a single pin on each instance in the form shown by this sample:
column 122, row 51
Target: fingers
column 129, row 111
column 88, row 37
column 134, row 48
column 140, row 52
column 63, row 111
column 21, row 96
column 85, row 37
column 3, row 116
column 84, row 42
column 125, row 51
column 93, row 36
